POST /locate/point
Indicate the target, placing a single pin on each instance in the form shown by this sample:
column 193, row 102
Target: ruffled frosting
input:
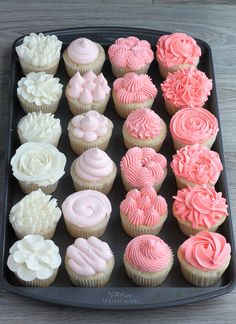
column 131, row 53
column 40, row 88
column 34, row 258
column 39, row 163
column 197, row 164
column 39, row 50
column 88, row 257
column 143, row 166
column 83, row 51
column 187, row 88
column 133, row 88
column 148, row 253
column 177, row 48
column 206, row 250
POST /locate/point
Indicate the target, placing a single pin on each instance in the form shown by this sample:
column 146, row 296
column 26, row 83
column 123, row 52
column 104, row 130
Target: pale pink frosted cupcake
column 143, row 212
column 132, row 92
column 186, row 88
column 192, row 126
column 175, row 52
column 130, row 55
column 199, row 208
column 144, row 128
column 196, row 165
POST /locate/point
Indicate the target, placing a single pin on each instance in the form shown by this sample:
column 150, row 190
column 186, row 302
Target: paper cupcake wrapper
column 121, row 71
column 50, row 69
column 208, row 143
column 188, row 230
column 29, row 187
column 47, row 234
column 183, row 183
column 164, row 70
column 39, row 282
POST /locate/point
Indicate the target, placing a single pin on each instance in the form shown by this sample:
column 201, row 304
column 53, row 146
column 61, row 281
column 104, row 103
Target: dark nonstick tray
column 120, row 293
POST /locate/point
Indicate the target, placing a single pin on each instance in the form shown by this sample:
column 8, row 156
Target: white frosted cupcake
column 39, row 52
column 39, row 92
column 39, row 127
column 36, row 213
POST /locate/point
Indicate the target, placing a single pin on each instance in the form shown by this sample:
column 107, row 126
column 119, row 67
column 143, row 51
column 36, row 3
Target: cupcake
column 89, row 130
column 144, row 128
column 176, row 51
column 38, row 53
column 204, row 258
column 38, row 165
column 143, row 212
column 186, row 88
column 87, row 92
column 196, row 165
column 34, row 261
column 193, row 126
column 83, row 55
column 39, row 92
column 37, row 214
column 199, row 208
column 89, row 263
column 93, row 170
column 148, row 260
column 86, row 213
column 130, row 55
column 141, row 167
column 39, row 127
column 132, row 92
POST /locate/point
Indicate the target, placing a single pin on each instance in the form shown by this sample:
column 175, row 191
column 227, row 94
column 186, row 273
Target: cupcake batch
column 38, row 165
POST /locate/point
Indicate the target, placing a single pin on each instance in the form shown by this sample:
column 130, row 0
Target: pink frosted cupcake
column 192, row 126
column 144, row 128
column 186, row 88
column 199, row 208
column 141, row 167
column 143, row 212
column 132, row 92
column 196, row 165
column 130, row 55
column 175, row 52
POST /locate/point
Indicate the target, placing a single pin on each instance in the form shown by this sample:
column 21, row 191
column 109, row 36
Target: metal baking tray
column 120, row 293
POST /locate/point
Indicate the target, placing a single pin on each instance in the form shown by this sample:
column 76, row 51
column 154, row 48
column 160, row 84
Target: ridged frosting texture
column 88, row 88
column 187, row 88
column 35, row 213
column 39, row 50
column 177, row 48
column 148, row 253
column 197, row 164
column 40, row 88
column 83, row 51
column 190, row 126
column 143, row 207
column 131, row 53
column 206, row 250
column 143, row 166
column 88, row 257
column 33, row 258
column 39, row 163
column 86, row 208
column 94, row 164
column 200, row 206
column 133, row 88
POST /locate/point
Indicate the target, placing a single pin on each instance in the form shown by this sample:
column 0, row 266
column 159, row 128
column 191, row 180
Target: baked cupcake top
column 88, row 257
column 177, row 48
column 187, row 88
column 40, row 88
column 83, row 51
column 197, row 164
column 200, row 206
column 39, row 50
column 190, row 126
column 86, row 208
column 148, row 253
column 144, row 207
column 133, row 88
column 206, row 251
column 131, row 53
column 33, row 258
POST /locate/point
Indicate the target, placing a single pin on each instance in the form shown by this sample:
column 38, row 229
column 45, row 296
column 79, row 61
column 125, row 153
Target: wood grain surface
column 212, row 21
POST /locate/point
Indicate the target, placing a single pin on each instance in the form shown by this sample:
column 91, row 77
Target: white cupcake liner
column 121, row 71
column 39, row 282
column 208, row 143
column 50, row 69
column 29, row 187
column 164, row 70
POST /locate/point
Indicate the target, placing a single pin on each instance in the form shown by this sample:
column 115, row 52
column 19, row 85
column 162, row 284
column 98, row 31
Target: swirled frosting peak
column 83, row 51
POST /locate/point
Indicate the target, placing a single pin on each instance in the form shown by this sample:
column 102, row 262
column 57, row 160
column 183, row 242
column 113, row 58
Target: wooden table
column 216, row 24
